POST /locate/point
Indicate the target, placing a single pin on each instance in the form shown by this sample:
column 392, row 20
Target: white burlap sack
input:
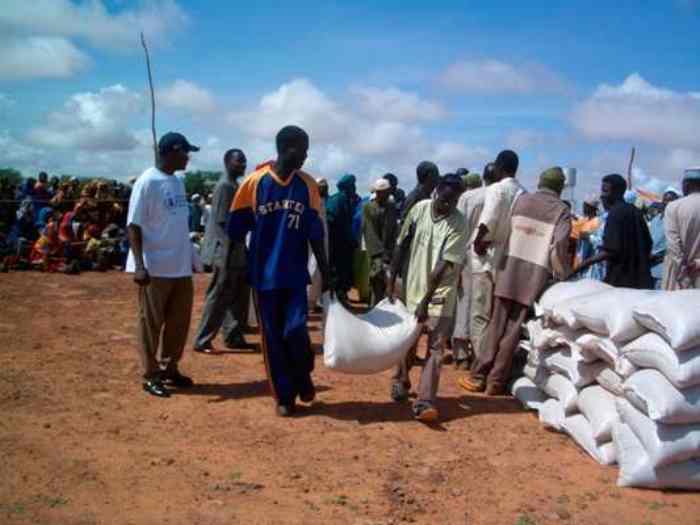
column 675, row 316
column 664, row 444
column 624, row 367
column 575, row 369
column 535, row 373
column 551, row 415
column 580, row 430
column 598, row 405
column 636, row 470
column 562, row 314
column 559, row 387
column 611, row 313
column 610, row 381
column 368, row 343
column 650, row 392
column 526, row 391
column 598, row 347
column 542, row 338
column 565, row 291
column 651, row 351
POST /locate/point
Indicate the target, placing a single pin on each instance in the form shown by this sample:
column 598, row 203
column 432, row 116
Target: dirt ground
column 81, row 443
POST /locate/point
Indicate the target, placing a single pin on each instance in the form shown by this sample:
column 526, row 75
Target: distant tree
column 11, row 175
column 200, row 181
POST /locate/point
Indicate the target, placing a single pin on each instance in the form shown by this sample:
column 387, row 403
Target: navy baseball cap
column 173, row 141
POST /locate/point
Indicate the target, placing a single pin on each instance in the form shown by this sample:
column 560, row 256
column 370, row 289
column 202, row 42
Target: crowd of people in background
column 468, row 252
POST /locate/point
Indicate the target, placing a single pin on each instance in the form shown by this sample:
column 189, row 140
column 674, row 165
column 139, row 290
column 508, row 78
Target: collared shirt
column 283, row 216
column 498, row 205
column 433, row 240
column 538, row 247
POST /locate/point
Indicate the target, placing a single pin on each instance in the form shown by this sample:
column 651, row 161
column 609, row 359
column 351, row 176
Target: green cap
column 553, row 179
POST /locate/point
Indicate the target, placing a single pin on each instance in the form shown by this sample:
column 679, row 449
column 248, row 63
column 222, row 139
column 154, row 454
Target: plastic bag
column 561, row 388
column 651, row 351
column 581, row 431
column 368, row 343
column 551, row 415
column 675, row 316
column 576, row 370
column 650, row 391
column 664, row 444
column 598, row 405
column 525, row 391
column 636, row 469
column 611, row 314
column 564, row 291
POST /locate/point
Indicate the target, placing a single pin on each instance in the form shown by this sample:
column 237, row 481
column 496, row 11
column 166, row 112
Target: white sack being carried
column 368, row 343
column 611, row 313
column 577, row 371
column 526, row 391
column 552, row 415
column 561, row 388
column 580, row 430
column 651, row 351
column 675, row 316
column 649, row 391
column 610, row 381
column 564, row 291
column 636, row 469
column 664, row 444
column 598, row 405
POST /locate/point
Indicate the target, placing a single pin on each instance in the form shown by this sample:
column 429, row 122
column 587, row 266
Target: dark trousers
column 289, row 358
column 226, row 305
column 494, row 364
column 165, row 307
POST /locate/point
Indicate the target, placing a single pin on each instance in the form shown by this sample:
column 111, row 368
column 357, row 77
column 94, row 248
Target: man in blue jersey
column 279, row 205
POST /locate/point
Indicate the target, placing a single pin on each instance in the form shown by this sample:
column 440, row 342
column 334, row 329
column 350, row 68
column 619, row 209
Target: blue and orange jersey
column 282, row 216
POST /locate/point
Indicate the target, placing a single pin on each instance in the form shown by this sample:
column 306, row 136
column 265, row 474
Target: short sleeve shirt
column 433, row 240
column 158, row 205
column 282, row 217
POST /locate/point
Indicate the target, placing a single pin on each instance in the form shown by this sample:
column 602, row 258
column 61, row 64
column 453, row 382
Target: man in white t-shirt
column 161, row 259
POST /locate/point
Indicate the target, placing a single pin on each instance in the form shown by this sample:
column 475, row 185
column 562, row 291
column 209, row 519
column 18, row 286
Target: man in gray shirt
column 226, row 304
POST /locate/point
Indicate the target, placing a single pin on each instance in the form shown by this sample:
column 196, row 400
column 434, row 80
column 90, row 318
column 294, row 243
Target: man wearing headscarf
column 537, row 250
column 682, row 225
column 379, row 232
column 398, row 196
column 627, row 243
column 339, row 213
column 471, row 181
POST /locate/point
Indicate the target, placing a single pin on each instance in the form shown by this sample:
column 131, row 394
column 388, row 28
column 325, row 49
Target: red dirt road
column 80, row 443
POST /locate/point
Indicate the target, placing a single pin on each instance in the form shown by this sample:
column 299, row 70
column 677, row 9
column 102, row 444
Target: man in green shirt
column 434, row 236
column 379, row 225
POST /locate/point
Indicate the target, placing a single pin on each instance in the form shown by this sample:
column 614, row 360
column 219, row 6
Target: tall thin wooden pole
column 629, row 168
column 153, row 100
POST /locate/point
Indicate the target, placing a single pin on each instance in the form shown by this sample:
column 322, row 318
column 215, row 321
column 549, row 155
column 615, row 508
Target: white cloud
column 187, row 96
column 638, row 111
column 91, row 20
column 369, row 132
column 453, row 155
column 92, row 121
column 40, row 57
column 394, row 104
column 495, row 76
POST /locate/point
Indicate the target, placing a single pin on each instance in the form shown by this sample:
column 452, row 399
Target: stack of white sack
column 619, row 370
column 368, row 343
column 658, row 438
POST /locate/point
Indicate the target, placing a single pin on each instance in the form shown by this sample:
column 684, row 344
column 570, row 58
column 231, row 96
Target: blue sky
column 379, row 85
